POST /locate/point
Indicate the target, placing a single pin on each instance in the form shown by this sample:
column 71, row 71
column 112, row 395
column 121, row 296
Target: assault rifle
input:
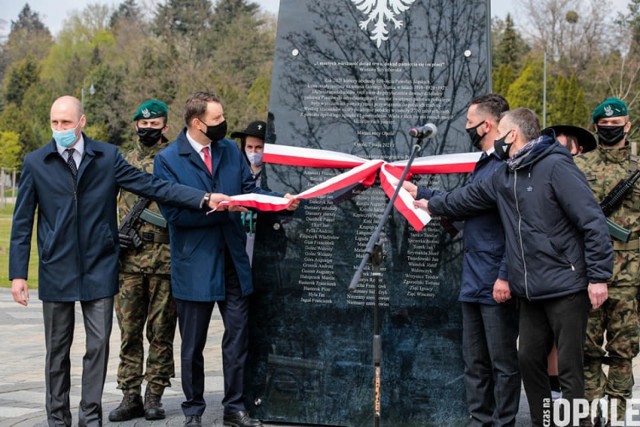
column 614, row 200
column 127, row 231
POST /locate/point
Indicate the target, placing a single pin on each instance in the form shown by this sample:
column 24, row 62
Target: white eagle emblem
column 608, row 111
column 380, row 12
column 145, row 113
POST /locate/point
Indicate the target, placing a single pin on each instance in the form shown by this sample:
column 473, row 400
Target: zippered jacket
column 557, row 241
column 484, row 258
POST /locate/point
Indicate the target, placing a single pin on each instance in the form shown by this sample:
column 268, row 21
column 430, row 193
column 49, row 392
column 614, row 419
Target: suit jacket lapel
column 196, row 161
column 216, row 157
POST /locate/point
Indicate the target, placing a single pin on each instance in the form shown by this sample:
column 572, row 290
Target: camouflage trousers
column 617, row 320
column 145, row 298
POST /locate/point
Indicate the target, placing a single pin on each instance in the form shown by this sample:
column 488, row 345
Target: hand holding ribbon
column 362, row 172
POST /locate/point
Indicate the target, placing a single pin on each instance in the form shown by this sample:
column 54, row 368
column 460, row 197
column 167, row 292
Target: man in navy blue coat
column 489, row 315
column 209, row 262
column 72, row 183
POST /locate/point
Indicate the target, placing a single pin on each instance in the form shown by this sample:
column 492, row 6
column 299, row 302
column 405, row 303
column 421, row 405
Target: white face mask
column 255, row 158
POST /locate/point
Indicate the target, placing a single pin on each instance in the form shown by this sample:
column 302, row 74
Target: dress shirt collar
column 79, row 147
column 196, row 145
column 77, row 153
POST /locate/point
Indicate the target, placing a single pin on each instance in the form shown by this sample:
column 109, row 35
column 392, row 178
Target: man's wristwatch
column 205, row 201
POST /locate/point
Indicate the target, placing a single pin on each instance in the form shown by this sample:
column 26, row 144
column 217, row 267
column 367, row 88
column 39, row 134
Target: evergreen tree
column 503, row 78
column 512, row 46
column 28, row 37
column 128, row 11
column 566, row 103
column 226, row 11
column 526, row 91
column 509, row 46
column 19, row 121
column 20, row 76
column 29, row 21
column 106, row 105
column 190, row 18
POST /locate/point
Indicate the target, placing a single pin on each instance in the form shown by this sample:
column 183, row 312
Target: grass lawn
column 5, row 234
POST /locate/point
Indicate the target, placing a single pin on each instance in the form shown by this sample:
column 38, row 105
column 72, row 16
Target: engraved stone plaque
column 354, row 76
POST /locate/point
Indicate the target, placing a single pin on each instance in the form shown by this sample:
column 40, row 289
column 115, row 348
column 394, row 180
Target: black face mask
column 610, row 135
column 473, row 134
column 501, row 147
column 149, row 136
column 217, row 132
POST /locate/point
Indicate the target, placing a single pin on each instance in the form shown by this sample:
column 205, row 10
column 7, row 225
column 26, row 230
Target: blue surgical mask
column 65, row 138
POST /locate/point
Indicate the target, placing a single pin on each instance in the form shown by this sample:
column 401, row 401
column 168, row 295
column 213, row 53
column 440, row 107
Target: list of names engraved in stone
column 371, row 206
column 317, row 276
column 421, row 279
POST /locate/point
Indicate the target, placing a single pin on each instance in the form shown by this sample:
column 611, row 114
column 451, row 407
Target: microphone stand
column 373, row 253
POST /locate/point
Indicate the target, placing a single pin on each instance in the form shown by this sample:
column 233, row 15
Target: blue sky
column 53, row 12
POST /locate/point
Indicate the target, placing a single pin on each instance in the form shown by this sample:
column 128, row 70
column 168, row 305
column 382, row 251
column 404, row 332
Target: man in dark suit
column 209, row 263
column 73, row 182
column 489, row 315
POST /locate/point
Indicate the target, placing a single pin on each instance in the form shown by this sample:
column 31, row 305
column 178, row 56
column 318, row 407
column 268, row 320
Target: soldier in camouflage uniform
column 604, row 167
column 145, row 286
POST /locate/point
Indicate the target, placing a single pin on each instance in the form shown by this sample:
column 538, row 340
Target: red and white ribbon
column 361, row 171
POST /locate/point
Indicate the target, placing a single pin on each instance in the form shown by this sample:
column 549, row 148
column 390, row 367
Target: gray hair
column 525, row 120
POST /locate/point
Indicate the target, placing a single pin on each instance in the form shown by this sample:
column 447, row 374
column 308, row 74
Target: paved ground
column 22, row 365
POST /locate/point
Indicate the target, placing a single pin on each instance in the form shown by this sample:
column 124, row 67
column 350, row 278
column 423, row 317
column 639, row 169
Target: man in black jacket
column 489, row 314
column 559, row 254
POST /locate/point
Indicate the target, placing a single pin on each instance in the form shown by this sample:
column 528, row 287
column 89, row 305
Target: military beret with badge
column 610, row 107
column 151, row 109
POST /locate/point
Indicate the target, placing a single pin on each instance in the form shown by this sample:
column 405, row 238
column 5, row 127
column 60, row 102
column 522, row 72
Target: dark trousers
column 59, row 320
column 193, row 321
column 563, row 320
column 491, row 373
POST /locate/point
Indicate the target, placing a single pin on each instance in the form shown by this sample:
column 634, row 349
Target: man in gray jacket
column 559, row 253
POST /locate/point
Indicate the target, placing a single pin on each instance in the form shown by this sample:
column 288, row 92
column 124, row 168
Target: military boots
column 130, row 407
column 152, row 406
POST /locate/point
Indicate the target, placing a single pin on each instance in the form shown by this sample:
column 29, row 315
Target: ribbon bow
column 361, row 171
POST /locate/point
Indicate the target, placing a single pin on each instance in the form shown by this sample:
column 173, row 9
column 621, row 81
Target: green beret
column 610, row 107
column 151, row 109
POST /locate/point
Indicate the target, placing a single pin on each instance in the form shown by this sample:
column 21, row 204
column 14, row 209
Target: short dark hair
column 196, row 105
column 526, row 120
column 572, row 140
column 492, row 104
